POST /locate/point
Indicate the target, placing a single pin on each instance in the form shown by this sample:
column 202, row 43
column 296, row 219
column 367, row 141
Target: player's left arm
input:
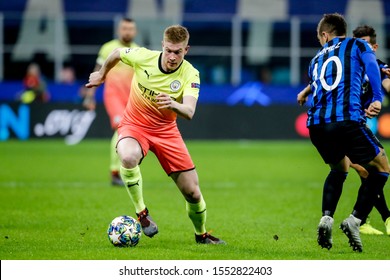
column 303, row 95
column 186, row 109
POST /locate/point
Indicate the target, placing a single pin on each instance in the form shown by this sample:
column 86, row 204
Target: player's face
column 368, row 40
column 173, row 55
column 127, row 31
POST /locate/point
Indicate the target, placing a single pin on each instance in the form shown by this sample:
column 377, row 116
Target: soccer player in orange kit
column 164, row 85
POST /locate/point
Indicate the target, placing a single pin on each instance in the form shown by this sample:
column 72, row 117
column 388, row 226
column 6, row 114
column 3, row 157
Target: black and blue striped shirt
column 367, row 89
column 336, row 76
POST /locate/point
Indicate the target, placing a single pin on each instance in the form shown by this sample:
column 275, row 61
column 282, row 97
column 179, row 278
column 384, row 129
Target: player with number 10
column 336, row 122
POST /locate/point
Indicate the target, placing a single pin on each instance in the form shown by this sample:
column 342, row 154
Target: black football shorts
column 347, row 138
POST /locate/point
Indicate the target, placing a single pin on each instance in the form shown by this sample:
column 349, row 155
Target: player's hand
column 88, row 97
column 386, row 71
column 89, row 103
column 373, row 110
column 95, row 79
column 164, row 101
column 303, row 95
column 302, row 98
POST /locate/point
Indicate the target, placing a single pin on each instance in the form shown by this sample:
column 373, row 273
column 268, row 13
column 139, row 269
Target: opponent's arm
column 373, row 74
column 385, row 74
column 386, row 85
column 386, row 71
column 386, row 81
column 303, row 95
column 97, row 78
column 185, row 109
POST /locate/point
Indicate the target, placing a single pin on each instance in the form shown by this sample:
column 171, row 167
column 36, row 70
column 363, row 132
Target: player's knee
column 193, row 196
column 129, row 160
column 381, row 163
column 384, row 167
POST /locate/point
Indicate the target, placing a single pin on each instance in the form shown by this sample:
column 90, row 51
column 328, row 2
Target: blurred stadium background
column 252, row 55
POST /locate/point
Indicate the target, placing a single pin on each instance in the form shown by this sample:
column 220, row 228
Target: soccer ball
column 124, row 231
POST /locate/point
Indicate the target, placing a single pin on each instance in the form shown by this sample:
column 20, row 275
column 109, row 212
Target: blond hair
column 176, row 34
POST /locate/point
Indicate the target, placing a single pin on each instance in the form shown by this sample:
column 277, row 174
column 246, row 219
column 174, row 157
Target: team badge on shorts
column 175, row 85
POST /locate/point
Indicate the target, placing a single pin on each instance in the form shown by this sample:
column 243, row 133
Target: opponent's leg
column 373, row 185
column 331, row 194
column 363, row 206
column 381, row 205
column 365, row 225
column 333, row 187
column 368, row 196
column 382, row 164
column 378, row 174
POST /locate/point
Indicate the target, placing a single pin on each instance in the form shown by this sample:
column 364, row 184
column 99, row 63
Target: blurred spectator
column 265, row 75
column 34, row 86
column 67, row 75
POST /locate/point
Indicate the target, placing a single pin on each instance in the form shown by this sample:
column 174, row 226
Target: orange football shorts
column 167, row 145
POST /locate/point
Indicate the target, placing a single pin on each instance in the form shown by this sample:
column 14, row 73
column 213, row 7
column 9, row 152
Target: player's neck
column 126, row 44
column 332, row 37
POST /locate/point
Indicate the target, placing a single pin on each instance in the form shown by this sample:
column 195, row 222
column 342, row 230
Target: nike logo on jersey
column 147, row 74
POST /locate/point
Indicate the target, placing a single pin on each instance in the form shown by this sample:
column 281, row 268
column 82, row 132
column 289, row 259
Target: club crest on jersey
column 175, row 85
column 195, row 85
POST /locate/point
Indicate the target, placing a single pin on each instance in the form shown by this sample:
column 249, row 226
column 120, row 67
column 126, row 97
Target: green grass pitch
column 263, row 198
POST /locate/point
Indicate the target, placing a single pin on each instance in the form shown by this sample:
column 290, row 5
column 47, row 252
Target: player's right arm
column 303, row 95
column 89, row 101
column 97, row 78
